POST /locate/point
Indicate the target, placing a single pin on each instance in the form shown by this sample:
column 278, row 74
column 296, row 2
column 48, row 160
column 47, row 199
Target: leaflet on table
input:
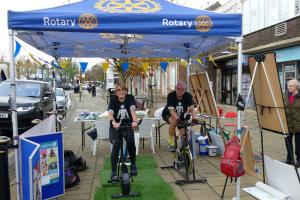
column 89, row 115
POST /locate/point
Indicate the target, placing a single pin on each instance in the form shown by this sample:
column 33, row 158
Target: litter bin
column 4, row 180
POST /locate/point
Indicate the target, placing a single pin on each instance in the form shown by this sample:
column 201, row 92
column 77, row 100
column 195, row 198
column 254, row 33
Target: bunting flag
column 55, row 64
column 164, row 65
column 3, row 76
column 211, row 59
column 199, row 61
column 17, row 49
column 183, row 63
column 64, row 63
column 145, row 66
column 125, row 66
column 52, row 63
column 83, row 66
column 35, row 60
column 105, row 66
column 204, row 59
column 45, row 61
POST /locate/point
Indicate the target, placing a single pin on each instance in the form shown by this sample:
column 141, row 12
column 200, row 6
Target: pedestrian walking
column 93, row 89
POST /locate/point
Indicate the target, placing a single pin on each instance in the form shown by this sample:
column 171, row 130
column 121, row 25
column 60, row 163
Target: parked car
column 85, row 86
column 67, row 86
column 34, row 99
column 62, row 100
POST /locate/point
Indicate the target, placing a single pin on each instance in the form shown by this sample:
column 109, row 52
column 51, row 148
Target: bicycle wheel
column 177, row 159
column 187, row 158
column 125, row 184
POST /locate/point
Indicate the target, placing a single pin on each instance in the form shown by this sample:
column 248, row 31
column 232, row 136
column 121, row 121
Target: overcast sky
column 21, row 5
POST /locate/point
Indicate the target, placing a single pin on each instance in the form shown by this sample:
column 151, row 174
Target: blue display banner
column 30, row 159
column 52, row 163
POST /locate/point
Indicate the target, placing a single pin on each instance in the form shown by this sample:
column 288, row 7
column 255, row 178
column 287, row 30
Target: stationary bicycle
column 123, row 174
column 183, row 158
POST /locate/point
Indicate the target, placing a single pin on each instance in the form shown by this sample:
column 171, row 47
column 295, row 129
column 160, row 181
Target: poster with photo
column 37, row 183
column 49, row 162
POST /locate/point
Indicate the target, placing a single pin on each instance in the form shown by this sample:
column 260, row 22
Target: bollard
column 4, row 180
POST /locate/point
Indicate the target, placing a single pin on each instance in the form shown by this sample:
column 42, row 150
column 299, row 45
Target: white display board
column 282, row 177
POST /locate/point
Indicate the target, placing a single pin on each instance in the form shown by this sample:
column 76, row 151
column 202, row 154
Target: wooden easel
column 204, row 97
column 247, row 153
column 266, row 84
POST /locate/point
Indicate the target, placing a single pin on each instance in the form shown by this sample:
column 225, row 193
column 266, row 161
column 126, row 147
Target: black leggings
column 115, row 139
column 297, row 145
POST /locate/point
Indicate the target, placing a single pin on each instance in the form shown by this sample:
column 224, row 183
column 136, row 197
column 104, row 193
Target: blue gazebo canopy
column 124, row 28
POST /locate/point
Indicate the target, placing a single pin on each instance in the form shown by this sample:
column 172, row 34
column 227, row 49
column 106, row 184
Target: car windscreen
column 59, row 93
column 22, row 89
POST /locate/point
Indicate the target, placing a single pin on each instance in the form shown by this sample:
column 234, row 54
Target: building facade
column 268, row 26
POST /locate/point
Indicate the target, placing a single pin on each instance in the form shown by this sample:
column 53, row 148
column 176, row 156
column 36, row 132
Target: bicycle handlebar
column 187, row 123
column 128, row 126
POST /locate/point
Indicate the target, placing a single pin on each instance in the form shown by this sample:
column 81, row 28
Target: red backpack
column 231, row 162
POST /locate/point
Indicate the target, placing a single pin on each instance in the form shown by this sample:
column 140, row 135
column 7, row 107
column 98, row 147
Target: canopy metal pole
column 239, row 40
column 80, row 84
column 188, row 72
column 54, row 98
column 13, row 107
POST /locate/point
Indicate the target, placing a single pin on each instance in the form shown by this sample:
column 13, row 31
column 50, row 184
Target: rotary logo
column 87, row 21
column 127, row 6
column 203, row 23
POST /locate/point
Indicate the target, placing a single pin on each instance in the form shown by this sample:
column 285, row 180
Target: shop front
column 288, row 65
column 229, row 81
column 229, row 85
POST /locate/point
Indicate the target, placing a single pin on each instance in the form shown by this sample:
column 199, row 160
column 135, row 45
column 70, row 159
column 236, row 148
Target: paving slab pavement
column 205, row 166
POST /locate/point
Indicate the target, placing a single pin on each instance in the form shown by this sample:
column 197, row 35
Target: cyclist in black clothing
column 178, row 103
column 122, row 110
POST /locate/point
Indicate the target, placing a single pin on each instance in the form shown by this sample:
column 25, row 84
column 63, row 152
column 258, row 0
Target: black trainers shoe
column 289, row 162
column 133, row 170
column 298, row 164
column 114, row 177
column 171, row 148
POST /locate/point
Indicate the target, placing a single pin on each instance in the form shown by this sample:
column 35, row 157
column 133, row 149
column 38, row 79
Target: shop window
column 297, row 7
column 289, row 72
